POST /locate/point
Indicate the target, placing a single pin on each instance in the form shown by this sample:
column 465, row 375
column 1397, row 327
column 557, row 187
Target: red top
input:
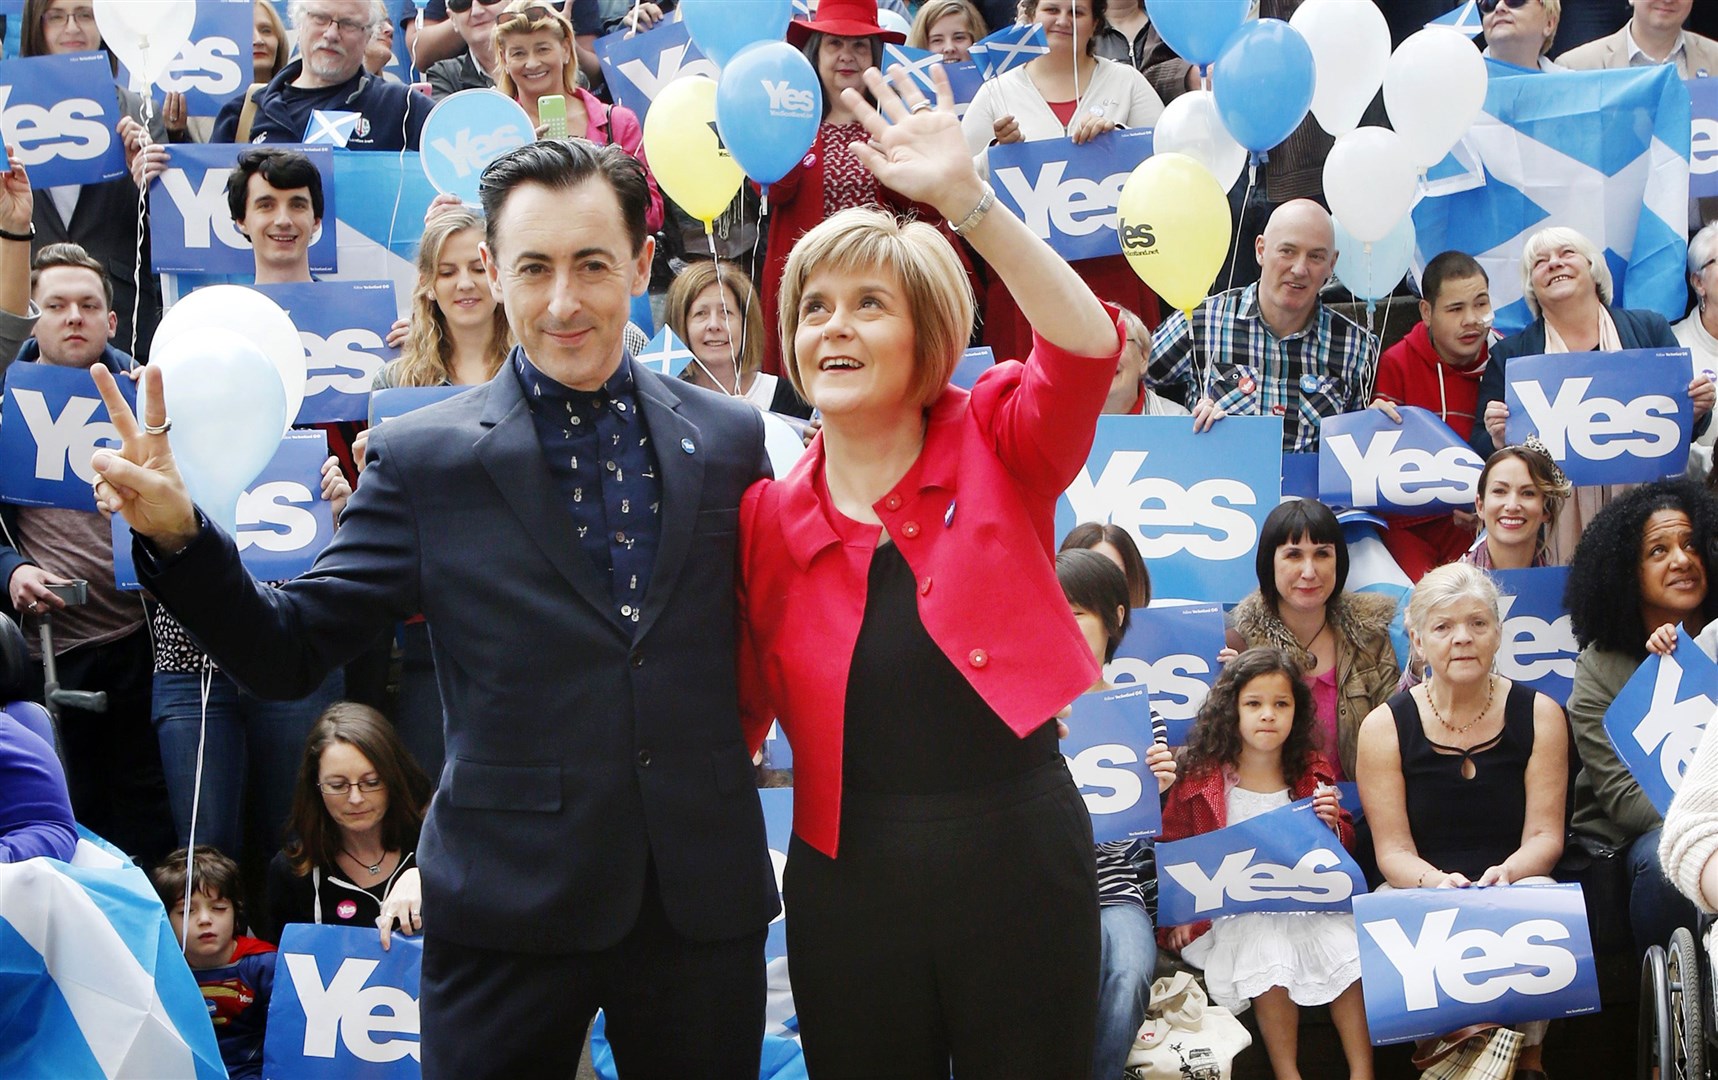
column 975, row 519
column 1199, row 804
column 1408, row 374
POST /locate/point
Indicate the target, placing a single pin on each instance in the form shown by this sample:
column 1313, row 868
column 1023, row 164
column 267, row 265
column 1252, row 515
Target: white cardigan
column 1690, row 835
column 1117, row 92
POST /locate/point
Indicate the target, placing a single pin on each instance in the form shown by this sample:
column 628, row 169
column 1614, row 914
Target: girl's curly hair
column 1215, row 741
column 1603, row 594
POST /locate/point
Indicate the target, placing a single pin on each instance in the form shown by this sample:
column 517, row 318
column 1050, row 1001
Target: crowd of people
column 597, row 598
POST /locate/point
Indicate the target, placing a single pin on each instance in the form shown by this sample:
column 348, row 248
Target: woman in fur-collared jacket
column 1341, row 639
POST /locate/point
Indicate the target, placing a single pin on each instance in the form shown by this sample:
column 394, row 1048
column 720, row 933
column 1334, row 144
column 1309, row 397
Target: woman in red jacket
column 904, row 622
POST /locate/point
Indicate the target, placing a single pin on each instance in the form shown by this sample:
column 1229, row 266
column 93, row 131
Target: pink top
column 1324, row 709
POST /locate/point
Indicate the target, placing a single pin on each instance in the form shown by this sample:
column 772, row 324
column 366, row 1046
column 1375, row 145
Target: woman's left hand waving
column 918, row 151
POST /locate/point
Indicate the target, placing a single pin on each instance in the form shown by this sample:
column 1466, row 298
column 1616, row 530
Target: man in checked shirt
column 1271, row 349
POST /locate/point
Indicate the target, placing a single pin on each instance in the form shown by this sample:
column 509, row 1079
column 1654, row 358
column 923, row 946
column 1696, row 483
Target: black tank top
column 1463, row 825
column 914, row 725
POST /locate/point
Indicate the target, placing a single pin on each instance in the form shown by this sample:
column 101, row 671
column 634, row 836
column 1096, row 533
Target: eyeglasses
column 530, row 19
column 320, row 21
column 340, row 785
column 1707, row 263
column 58, row 17
column 463, row 6
column 1486, row 7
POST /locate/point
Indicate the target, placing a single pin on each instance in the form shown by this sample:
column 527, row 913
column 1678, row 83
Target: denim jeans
column 1655, row 906
column 1129, row 961
column 252, row 745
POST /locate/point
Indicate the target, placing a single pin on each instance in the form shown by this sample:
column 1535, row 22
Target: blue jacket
column 1636, row 329
column 283, row 111
column 115, row 361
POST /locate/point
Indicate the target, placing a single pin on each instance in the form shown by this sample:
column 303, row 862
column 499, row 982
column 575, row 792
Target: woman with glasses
column 537, row 56
column 1520, row 32
column 355, row 819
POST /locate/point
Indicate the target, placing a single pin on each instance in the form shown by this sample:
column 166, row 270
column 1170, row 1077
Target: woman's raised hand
column 916, row 148
column 1663, row 640
column 139, row 481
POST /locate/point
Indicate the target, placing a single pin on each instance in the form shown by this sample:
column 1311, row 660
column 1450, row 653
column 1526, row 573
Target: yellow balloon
column 1174, row 223
column 686, row 155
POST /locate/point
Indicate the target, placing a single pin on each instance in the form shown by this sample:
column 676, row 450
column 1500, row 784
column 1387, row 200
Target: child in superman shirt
column 235, row 972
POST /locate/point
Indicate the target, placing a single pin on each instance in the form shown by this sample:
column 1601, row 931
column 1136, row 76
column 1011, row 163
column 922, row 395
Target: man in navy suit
column 568, row 529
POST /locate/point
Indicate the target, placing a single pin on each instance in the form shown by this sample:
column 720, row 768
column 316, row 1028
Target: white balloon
column 1370, row 182
column 254, row 317
column 1434, row 89
column 892, row 20
column 782, row 443
column 1190, row 125
column 145, row 34
column 1350, row 48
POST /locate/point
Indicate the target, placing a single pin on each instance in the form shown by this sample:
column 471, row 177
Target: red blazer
column 1199, row 804
column 974, row 518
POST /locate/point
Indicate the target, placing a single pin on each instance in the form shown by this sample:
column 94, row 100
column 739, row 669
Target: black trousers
column 675, row 1008
column 113, row 759
column 955, row 928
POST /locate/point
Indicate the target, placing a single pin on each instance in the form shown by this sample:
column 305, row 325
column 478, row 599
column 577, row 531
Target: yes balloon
column 687, row 155
column 1173, row 220
column 1434, row 89
column 769, row 104
column 721, row 28
column 1190, row 125
column 1264, row 83
column 1350, row 44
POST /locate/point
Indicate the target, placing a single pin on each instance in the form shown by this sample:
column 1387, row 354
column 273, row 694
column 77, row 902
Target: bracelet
column 1423, row 877
column 22, row 238
column 985, row 202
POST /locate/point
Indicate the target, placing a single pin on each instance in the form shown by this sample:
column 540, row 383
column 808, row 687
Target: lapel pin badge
column 686, row 445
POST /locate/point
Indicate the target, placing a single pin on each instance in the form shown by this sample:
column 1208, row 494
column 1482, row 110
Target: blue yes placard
column 60, row 113
column 191, row 227
column 51, row 422
column 1109, row 735
column 1366, row 461
column 1607, row 418
column 214, row 65
column 637, row 66
column 778, row 831
column 1173, row 651
column 1194, row 502
column 973, row 363
column 342, row 1008
column 1068, row 194
column 1538, row 647
column 1434, row 960
column 464, row 133
column 344, row 326
column 400, row 400
column 1703, row 155
column 1656, row 721
column 1284, row 860
column 284, row 523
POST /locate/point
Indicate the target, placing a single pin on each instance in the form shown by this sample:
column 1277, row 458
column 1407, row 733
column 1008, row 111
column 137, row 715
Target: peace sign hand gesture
column 918, row 151
column 139, row 481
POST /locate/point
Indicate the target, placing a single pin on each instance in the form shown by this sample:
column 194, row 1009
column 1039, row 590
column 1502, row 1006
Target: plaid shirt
column 1324, row 370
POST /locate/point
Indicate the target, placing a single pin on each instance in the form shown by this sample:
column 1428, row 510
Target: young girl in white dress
column 1250, row 752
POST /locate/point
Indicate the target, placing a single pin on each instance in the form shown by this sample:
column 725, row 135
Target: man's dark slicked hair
column 1449, row 266
column 284, row 170
column 565, row 164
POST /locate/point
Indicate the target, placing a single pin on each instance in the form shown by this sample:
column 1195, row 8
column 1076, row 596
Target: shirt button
column 626, row 609
column 609, row 465
column 978, row 658
column 893, row 502
column 644, row 759
column 620, row 538
column 925, row 587
column 637, row 659
column 910, row 529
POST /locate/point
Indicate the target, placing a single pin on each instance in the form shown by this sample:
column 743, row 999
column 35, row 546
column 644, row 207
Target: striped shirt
column 1232, row 357
column 1127, row 869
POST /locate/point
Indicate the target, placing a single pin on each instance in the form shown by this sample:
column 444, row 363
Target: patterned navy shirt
column 598, row 449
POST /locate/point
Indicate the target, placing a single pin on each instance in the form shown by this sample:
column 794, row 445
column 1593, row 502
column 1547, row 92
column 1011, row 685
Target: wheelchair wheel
column 1654, row 1033
column 1682, row 970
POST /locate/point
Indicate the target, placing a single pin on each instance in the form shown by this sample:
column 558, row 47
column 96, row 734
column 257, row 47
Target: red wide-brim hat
column 843, row 18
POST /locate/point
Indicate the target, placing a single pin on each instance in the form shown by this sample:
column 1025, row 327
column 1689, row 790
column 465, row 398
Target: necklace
column 1431, row 699
column 1306, row 646
column 375, row 868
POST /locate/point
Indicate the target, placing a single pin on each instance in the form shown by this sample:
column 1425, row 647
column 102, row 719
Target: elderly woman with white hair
column 1568, row 288
column 1699, row 331
column 1520, row 34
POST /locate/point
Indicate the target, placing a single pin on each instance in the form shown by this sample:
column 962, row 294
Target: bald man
column 1271, row 349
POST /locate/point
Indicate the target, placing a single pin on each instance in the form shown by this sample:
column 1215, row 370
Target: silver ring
column 921, row 106
column 166, row 426
column 33, row 605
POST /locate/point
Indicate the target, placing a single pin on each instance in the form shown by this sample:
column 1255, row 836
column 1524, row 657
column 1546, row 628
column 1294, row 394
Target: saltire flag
column 92, row 982
column 1464, row 19
column 331, row 127
column 1602, row 152
column 917, row 63
column 1008, row 48
column 666, row 354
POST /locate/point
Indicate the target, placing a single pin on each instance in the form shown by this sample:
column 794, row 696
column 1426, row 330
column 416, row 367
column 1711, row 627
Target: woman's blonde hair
column 1546, row 241
column 427, row 359
column 528, row 17
column 863, row 241
column 282, row 43
column 935, row 11
column 684, row 291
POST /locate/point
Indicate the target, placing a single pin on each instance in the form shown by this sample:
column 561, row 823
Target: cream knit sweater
column 1690, row 836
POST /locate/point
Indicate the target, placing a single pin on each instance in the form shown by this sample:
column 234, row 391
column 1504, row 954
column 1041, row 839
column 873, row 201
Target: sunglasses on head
column 463, row 6
column 1486, row 7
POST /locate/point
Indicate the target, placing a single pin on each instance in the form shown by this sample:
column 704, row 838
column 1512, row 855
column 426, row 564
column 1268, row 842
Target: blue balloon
column 769, row 104
column 721, row 28
column 1373, row 275
column 1197, row 29
column 1264, row 83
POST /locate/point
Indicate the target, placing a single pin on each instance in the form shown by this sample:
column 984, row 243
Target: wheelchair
column 1675, row 1038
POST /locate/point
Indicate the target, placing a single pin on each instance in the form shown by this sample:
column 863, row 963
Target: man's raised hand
column 139, row 481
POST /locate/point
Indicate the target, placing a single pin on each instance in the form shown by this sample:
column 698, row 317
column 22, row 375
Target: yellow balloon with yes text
column 686, row 154
column 1173, row 220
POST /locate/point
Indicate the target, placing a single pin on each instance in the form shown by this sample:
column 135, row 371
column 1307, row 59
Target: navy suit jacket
column 579, row 749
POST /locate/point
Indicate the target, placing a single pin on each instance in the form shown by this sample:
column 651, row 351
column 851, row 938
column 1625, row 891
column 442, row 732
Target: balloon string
column 722, row 296
column 1240, row 223
column 142, row 216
